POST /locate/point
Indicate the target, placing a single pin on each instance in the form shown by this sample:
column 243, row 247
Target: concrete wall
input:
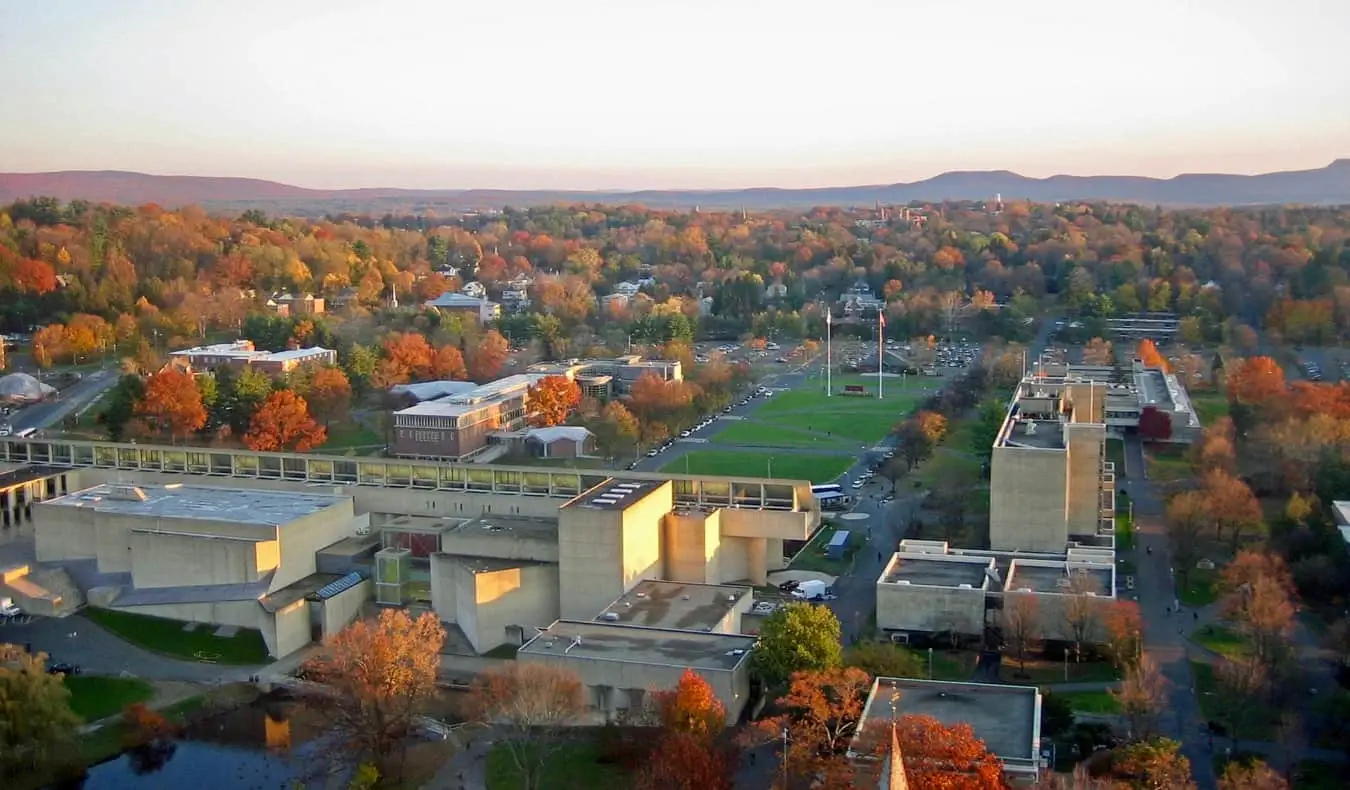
column 1051, row 615
column 244, row 614
column 590, row 574
column 302, row 538
column 290, row 629
column 444, row 595
column 779, row 524
column 343, row 608
column 733, row 559
column 1028, row 499
column 514, row 597
column 1086, row 443
column 480, row 543
column 914, row 607
column 642, row 538
column 616, row 686
column 169, row 560
column 689, row 546
column 466, row 604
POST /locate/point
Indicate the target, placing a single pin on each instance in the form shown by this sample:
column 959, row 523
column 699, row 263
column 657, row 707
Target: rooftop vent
column 127, row 493
column 1031, row 428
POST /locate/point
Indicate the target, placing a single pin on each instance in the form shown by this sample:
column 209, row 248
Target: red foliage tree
column 448, row 363
column 682, row 761
column 171, row 403
column 329, row 394
column 488, row 356
column 408, row 355
column 690, row 708
column 1154, row 424
column 283, row 422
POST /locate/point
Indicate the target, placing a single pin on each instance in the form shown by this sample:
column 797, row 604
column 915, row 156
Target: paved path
column 51, row 412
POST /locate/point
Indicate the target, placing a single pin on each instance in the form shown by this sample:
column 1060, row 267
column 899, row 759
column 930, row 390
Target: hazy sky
column 679, row 93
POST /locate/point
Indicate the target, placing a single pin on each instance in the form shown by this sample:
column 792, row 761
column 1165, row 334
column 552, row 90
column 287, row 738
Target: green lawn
column 954, row 665
column 856, row 417
column 1200, row 588
column 574, row 766
column 1091, row 701
column 772, row 435
column 1115, row 453
column 1214, row 706
column 1045, row 672
column 347, row 436
column 1210, row 406
column 814, row 467
column 1124, row 532
column 1166, row 466
column 168, row 637
column 812, row 558
column 1224, row 641
column 93, row 697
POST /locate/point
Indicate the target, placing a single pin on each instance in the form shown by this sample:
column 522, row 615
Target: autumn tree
column 820, row 712
column 383, row 672
column 329, row 394
column 1254, row 775
column 531, row 704
column 682, row 761
column 283, row 422
column 920, row 435
column 616, row 429
column 488, row 356
column 1155, row 764
column 1082, row 612
column 49, row 345
column 1242, row 683
column 795, row 638
column 407, row 355
column 448, row 363
column 1154, row 424
column 171, row 403
column 551, row 401
column 1232, row 505
column 1215, row 448
column 1142, row 695
column 1123, row 632
column 941, row 756
column 1098, row 352
column 1255, row 381
column 38, row 727
column 691, row 708
column 1148, row 354
column 1021, row 624
column 1185, row 519
column 1259, row 599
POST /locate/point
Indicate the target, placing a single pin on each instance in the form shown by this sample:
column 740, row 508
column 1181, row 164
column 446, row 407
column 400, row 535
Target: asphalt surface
column 53, row 411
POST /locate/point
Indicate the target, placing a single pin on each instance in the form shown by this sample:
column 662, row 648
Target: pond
column 268, row 744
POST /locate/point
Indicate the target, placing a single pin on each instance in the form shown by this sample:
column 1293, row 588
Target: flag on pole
column 881, row 320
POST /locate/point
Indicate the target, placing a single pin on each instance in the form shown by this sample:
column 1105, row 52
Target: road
column 52, row 411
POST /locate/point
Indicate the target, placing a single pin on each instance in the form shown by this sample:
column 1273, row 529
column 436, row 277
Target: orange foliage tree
column 1124, row 629
column 821, row 711
column 383, row 672
column 171, row 403
column 408, row 355
column 691, row 707
column 1255, row 381
column 1232, row 505
column 946, row 757
column 552, row 401
column 329, row 394
column 488, row 356
column 682, row 761
column 1149, row 354
column 448, row 363
column 283, row 422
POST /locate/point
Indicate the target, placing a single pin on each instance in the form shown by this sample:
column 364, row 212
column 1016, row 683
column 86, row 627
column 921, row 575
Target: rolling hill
column 1327, row 185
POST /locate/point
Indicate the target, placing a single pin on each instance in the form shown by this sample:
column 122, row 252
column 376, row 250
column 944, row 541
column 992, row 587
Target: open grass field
column 775, row 434
column 574, row 766
column 346, row 436
column 1224, row 641
column 1209, row 406
column 159, row 635
column 1200, row 589
column 1091, row 701
column 93, row 697
column 863, row 418
column 814, row 467
column 1167, row 464
column 1042, row 671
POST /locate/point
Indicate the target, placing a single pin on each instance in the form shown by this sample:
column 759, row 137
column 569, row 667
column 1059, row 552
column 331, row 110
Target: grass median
column 814, row 467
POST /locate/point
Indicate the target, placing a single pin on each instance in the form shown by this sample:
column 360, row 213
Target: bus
column 831, row 496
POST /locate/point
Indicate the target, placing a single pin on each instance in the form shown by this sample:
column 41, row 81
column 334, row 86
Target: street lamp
column 930, row 663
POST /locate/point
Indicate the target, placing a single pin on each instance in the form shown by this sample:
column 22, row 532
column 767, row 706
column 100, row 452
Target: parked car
column 62, row 668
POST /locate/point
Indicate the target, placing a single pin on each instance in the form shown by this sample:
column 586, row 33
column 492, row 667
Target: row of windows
column 420, row 436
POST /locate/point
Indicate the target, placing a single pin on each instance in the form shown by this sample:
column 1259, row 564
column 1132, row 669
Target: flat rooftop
column 685, row 606
column 492, row 564
column 1043, row 434
column 615, row 494
column 508, row 526
column 412, row 523
column 240, row 505
column 1152, row 386
column 1048, row 577
column 1006, row 718
column 597, row 641
column 937, row 570
column 28, row 474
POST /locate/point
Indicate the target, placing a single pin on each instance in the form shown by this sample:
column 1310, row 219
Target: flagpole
column 829, row 386
column 881, row 352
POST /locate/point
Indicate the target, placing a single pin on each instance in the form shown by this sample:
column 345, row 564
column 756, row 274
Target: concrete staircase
column 45, row 592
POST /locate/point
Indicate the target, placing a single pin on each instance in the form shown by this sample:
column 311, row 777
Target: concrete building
column 684, row 606
column 1049, row 477
column 219, row 556
column 605, row 378
column 1006, row 718
column 619, row 664
column 928, row 588
column 476, row 308
column 1158, row 327
column 1131, row 391
column 242, row 353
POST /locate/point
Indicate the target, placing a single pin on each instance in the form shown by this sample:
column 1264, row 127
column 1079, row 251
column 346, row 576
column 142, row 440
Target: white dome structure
column 22, row 387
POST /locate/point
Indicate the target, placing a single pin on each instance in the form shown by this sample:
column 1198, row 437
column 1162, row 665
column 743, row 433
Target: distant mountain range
column 1327, row 185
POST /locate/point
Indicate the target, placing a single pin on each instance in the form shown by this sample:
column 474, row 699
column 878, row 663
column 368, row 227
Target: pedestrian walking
column 1195, row 616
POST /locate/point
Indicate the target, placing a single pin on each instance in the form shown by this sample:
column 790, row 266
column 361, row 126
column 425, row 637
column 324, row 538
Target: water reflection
column 272, row 743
